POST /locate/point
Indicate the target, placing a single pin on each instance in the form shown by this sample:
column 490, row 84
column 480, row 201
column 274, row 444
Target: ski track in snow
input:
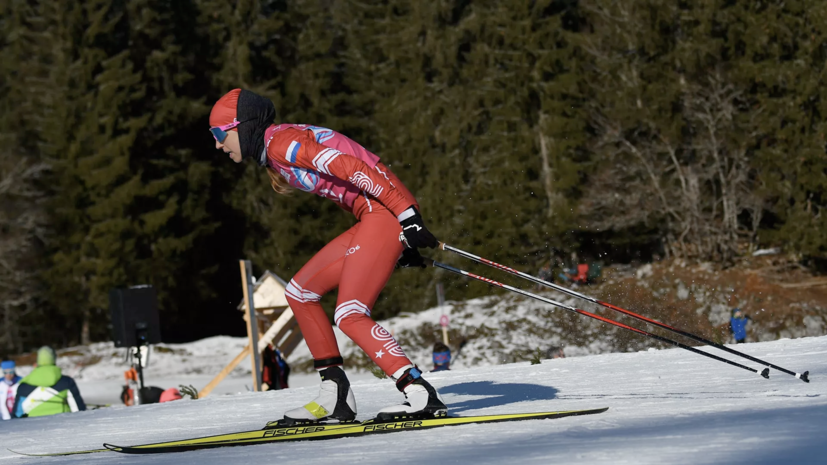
column 667, row 406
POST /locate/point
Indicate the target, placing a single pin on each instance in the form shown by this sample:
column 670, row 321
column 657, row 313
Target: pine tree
column 22, row 212
column 178, row 226
column 293, row 57
column 524, row 129
column 129, row 201
column 477, row 113
column 782, row 50
column 82, row 94
column 522, row 69
column 673, row 127
column 402, row 58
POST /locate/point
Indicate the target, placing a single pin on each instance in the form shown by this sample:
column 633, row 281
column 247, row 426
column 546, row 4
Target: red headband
column 224, row 111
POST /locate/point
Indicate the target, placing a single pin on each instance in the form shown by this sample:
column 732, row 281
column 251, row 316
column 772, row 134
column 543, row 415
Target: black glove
column 410, row 259
column 414, row 233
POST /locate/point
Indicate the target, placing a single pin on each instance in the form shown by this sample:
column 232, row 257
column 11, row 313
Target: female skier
column 358, row 262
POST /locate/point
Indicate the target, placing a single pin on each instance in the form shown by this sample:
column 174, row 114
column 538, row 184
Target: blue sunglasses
column 220, row 132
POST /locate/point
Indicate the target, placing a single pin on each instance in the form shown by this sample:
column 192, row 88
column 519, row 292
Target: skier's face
column 9, row 374
column 231, row 146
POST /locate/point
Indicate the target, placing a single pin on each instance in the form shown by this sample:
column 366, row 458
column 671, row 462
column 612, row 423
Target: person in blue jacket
column 738, row 325
column 442, row 357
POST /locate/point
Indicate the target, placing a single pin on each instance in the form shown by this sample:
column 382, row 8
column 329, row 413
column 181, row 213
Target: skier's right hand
column 414, row 233
column 410, row 259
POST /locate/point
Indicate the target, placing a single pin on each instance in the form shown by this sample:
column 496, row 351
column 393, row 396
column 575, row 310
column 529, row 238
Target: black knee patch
column 328, row 362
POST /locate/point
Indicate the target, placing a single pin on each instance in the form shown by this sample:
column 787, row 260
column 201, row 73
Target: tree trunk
column 548, row 175
column 84, row 331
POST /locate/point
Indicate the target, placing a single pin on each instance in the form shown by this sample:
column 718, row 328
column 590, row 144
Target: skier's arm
column 299, row 148
column 14, row 413
column 73, row 388
column 4, row 410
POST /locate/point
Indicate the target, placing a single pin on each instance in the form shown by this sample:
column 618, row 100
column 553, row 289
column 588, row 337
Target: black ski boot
column 421, row 399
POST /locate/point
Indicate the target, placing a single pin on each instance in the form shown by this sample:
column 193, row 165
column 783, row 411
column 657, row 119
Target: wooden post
column 290, row 326
column 443, row 321
column 285, row 321
column 252, row 321
column 226, row 371
column 278, row 329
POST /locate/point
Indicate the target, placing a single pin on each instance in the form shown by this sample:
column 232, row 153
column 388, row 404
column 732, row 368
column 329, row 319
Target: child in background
column 738, row 325
column 8, row 388
column 442, row 357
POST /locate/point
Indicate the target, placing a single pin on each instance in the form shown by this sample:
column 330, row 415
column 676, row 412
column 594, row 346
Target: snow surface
column 499, row 329
column 666, row 406
column 504, row 329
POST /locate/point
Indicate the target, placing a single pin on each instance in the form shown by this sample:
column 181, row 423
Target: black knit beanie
column 258, row 114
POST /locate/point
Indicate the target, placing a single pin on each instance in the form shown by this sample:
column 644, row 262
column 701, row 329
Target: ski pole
column 764, row 373
column 802, row 376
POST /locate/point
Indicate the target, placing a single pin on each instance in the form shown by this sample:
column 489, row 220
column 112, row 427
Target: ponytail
column 278, row 183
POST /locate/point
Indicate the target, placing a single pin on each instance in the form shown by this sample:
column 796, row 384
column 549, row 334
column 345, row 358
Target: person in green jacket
column 46, row 391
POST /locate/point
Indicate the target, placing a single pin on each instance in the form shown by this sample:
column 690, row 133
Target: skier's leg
column 317, row 277
column 369, row 262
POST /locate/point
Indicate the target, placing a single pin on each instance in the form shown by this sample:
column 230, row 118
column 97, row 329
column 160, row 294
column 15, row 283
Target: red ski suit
column 360, row 261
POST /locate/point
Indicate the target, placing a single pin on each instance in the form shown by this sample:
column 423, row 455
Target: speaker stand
column 139, row 367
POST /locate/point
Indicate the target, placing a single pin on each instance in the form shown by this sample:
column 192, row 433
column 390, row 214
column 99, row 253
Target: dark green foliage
column 528, row 130
column 467, row 112
column 378, row 372
column 189, row 391
column 537, row 357
column 22, row 175
column 708, row 123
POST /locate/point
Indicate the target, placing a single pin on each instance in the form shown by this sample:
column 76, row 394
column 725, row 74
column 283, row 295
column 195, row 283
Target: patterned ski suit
column 360, row 261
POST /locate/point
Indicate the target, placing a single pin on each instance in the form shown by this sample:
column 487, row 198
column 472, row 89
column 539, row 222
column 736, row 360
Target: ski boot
column 335, row 403
column 421, row 399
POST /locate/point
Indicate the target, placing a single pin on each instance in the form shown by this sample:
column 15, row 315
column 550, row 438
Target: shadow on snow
column 496, row 394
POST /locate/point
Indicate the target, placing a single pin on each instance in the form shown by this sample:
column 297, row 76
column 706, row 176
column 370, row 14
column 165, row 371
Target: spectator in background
column 45, row 391
column 545, row 274
column 738, row 325
column 274, row 370
column 170, row 394
column 442, row 357
column 8, row 388
column 555, row 352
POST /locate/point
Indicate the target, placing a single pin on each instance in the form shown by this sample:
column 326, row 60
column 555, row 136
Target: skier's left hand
column 414, row 233
column 410, row 259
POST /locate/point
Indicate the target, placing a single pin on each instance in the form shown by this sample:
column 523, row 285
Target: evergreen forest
column 529, row 130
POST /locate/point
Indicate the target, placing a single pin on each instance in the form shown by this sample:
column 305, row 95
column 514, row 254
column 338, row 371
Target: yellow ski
column 273, row 433
column 303, row 433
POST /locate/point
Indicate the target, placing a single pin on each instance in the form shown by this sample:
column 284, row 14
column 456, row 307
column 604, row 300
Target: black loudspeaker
column 134, row 316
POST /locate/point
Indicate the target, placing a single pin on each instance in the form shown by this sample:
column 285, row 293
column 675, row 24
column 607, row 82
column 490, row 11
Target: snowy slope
column 666, row 406
column 501, row 329
column 99, row 368
column 498, row 329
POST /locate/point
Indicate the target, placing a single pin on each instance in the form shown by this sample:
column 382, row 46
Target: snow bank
column 665, row 406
